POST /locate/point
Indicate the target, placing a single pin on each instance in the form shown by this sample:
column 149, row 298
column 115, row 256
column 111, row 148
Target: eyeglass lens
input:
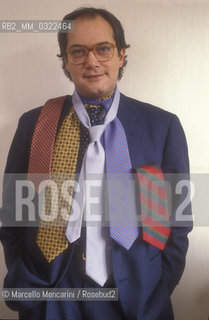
column 103, row 52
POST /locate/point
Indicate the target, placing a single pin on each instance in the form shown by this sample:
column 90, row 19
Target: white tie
column 93, row 163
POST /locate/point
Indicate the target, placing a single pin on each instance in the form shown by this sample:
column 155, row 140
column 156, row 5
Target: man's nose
column 91, row 60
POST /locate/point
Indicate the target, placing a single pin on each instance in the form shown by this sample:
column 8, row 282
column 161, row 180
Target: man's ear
column 66, row 64
column 121, row 57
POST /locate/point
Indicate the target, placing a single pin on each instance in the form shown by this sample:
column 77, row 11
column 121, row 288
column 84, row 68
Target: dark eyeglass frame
column 92, row 49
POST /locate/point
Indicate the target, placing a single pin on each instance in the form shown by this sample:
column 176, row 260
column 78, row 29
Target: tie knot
column 96, row 132
column 96, row 114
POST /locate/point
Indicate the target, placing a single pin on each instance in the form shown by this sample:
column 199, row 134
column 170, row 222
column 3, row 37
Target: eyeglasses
column 102, row 51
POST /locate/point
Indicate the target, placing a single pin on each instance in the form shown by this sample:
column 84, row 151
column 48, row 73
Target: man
column 121, row 135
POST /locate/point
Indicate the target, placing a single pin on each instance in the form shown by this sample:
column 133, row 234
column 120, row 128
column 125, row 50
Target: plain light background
column 168, row 66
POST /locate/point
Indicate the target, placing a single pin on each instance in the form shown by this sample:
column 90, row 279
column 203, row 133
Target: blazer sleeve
column 27, row 267
column 176, row 168
column 16, row 165
column 22, row 271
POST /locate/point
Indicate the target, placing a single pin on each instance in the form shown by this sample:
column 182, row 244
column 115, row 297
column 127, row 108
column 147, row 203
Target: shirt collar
column 105, row 101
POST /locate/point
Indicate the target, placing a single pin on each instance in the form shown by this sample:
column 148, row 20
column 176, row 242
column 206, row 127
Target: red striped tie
column 154, row 205
column 43, row 141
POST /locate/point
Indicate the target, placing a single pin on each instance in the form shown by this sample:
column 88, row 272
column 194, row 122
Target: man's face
column 93, row 79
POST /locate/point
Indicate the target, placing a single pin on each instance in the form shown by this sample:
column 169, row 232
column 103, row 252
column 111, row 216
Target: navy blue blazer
column 144, row 275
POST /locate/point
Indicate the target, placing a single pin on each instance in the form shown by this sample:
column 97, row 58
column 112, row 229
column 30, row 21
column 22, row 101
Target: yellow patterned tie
column 51, row 236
